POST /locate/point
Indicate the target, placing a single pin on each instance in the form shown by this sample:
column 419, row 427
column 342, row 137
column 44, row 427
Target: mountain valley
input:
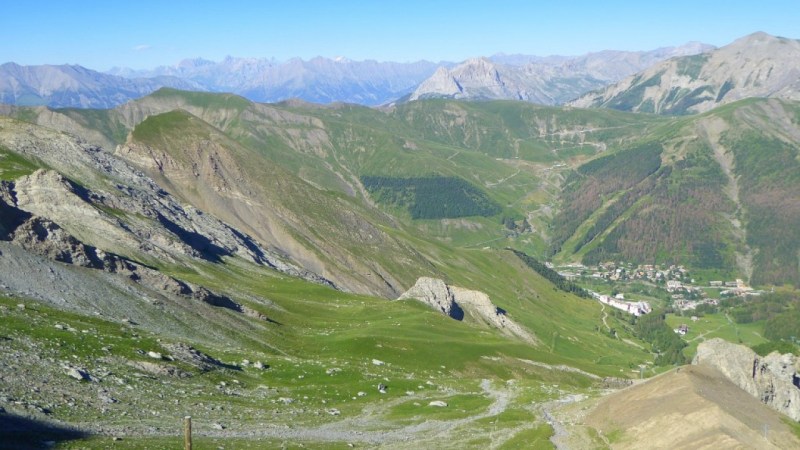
column 419, row 274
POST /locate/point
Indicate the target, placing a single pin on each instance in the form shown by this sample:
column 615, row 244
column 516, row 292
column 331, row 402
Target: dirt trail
column 560, row 434
column 369, row 427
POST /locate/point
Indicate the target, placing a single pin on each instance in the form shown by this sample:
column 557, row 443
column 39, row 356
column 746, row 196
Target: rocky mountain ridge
column 124, row 211
column 548, row 81
column 76, row 87
column 757, row 65
column 773, row 379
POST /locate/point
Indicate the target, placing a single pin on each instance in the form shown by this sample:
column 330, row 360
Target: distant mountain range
column 319, row 80
column 547, row 80
column 691, row 78
column 757, row 65
column 76, row 86
column 550, row 81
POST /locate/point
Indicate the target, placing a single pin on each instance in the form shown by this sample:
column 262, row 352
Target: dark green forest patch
column 432, row 197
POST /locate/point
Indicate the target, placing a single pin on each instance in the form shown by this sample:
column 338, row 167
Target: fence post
column 187, row 433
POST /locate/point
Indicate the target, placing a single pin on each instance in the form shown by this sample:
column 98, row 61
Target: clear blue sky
column 143, row 34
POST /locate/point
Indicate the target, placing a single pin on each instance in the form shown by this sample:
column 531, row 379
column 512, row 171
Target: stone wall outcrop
column 457, row 302
column 773, row 379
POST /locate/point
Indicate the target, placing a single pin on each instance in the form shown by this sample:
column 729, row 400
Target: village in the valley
column 684, row 295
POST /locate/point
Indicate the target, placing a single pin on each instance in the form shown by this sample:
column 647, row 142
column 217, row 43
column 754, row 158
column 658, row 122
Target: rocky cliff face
column 458, row 303
column 47, row 239
column 123, row 211
column 758, row 65
column 774, row 379
column 551, row 80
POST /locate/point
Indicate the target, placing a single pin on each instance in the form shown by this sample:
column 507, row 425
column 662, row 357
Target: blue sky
column 144, row 34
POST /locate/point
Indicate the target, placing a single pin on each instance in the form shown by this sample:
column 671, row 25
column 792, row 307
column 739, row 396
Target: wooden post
column 187, row 433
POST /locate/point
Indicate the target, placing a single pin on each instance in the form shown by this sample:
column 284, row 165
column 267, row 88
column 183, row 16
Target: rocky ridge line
column 124, row 211
column 773, row 379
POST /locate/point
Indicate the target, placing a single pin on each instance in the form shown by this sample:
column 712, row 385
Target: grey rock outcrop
column 436, row 294
column 758, row 65
column 773, row 379
column 46, row 238
column 123, row 211
column 457, row 302
column 544, row 80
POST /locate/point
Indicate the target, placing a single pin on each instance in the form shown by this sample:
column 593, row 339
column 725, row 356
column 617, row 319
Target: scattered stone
column 333, row 371
column 286, row 400
column 59, row 326
column 77, row 374
column 155, row 355
column 409, row 393
column 382, row 388
column 334, row 412
column 362, row 394
column 438, row 404
column 378, row 362
column 105, row 398
column 218, row 426
column 259, row 365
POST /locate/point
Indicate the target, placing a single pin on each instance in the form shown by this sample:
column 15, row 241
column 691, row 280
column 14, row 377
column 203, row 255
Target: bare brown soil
column 691, row 407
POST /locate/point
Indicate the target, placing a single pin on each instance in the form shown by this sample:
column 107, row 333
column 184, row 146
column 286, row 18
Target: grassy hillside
column 712, row 202
column 721, row 198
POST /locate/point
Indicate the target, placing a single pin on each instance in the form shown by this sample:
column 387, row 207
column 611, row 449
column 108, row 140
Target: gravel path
column 369, row 428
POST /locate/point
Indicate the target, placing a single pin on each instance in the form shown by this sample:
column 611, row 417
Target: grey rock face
column 457, row 302
column 773, row 379
column 130, row 214
column 545, row 80
column 435, row 293
column 758, row 65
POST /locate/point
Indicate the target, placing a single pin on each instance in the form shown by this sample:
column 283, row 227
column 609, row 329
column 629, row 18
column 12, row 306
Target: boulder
column 457, row 302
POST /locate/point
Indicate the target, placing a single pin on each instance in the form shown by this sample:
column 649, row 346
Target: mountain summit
column 549, row 80
column 757, row 65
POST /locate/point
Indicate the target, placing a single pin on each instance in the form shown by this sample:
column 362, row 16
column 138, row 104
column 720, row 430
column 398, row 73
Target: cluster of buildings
column 647, row 272
column 674, row 278
column 688, row 305
column 736, row 288
column 618, row 301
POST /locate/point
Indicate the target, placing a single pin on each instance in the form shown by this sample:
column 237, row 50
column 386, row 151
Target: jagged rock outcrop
column 131, row 215
column 436, row 294
column 757, row 65
column 551, row 80
column 457, row 302
column 773, row 379
column 46, row 238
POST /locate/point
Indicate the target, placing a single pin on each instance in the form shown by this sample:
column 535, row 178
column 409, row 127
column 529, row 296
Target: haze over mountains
column 757, row 65
column 76, row 86
column 546, row 80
